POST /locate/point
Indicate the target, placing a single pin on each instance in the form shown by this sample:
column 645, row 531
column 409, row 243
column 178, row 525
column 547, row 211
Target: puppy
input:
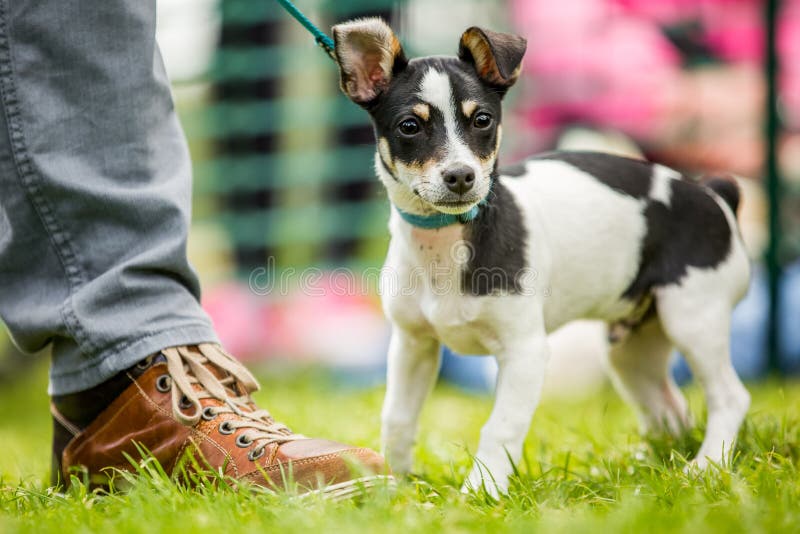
column 489, row 261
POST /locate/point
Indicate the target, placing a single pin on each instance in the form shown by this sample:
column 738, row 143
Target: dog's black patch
column 497, row 237
column 625, row 175
column 691, row 232
column 725, row 187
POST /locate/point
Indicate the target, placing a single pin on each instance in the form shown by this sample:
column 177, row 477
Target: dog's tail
column 726, row 187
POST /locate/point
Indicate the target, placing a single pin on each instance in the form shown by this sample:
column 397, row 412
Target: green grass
column 585, row 470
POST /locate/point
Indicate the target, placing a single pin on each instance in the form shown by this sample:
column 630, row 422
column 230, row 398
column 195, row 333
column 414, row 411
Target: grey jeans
column 95, row 190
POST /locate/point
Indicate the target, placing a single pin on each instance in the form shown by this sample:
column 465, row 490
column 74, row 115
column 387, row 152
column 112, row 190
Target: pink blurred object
column 330, row 320
column 592, row 62
column 789, row 50
column 241, row 319
column 607, row 62
column 334, row 321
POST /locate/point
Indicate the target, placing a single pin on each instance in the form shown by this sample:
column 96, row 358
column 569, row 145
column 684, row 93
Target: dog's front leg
column 519, row 382
column 411, row 373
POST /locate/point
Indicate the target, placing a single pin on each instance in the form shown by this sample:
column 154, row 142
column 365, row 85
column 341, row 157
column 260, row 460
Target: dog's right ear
column 368, row 53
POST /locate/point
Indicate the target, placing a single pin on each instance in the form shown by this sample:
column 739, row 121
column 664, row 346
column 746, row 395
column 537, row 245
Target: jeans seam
column 31, row 184
column 124, row 344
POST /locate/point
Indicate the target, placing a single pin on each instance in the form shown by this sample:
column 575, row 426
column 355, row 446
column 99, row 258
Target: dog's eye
column 409, row 127
column 482, row 120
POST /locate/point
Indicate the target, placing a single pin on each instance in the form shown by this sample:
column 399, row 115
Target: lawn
column 586, row 470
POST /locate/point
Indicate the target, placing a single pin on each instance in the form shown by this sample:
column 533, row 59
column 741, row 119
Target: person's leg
column 94, row 215
column 96, row 185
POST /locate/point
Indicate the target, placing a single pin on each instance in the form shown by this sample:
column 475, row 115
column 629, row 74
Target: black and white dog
column 489, row 261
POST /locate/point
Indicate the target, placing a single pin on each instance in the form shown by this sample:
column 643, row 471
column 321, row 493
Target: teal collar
column 440, row 220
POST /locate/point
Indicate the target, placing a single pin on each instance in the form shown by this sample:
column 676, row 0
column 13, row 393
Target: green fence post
column 773, row 181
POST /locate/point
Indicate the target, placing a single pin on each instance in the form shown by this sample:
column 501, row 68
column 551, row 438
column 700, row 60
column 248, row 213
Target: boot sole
column 355, row 488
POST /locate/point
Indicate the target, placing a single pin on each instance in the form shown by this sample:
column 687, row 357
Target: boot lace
column 193, row 381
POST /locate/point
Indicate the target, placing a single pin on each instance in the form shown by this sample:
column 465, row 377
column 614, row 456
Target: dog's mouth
column 449, row 203
column 454, row 207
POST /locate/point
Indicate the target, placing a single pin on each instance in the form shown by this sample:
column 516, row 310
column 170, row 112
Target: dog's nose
column 459, row 179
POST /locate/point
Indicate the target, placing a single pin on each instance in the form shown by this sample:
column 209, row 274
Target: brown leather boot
column 191, row 406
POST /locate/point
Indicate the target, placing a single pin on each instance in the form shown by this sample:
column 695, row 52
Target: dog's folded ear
column 368, row 54
column 497, row 56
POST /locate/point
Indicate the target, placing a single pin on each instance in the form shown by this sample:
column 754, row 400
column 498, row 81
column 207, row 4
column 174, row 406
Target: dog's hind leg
column 696, row 317
column 639, row 366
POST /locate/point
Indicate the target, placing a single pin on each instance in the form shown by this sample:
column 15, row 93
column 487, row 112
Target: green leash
column 321, row 38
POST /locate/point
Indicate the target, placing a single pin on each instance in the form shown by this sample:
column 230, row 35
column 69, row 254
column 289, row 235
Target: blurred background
column 290, row 223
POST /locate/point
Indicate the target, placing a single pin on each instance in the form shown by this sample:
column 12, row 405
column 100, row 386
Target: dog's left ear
column 497, row 56
column 368, row 54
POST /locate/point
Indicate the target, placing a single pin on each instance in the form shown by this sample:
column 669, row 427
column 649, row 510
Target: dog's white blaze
column 660, row 189
column 435, row 89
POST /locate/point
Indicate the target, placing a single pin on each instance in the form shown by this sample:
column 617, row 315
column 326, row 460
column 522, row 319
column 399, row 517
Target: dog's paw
column 481, row 481
column 399, row 462
column 697, row 465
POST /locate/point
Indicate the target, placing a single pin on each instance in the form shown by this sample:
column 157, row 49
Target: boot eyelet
column 226, row 429
column 255, row 455
column 243, row 441
column 185, row 403
column 144, row 364
column 163, row 383
column 208, row 413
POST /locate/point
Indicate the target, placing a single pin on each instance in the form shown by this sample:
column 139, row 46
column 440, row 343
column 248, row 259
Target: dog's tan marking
column 499, row 138
column 416, row 168
column 468, row 107
column 386, row 154
column 488, row 161
column 423, row 111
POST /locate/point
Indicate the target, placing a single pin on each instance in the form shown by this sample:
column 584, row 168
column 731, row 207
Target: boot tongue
column 232, row 387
